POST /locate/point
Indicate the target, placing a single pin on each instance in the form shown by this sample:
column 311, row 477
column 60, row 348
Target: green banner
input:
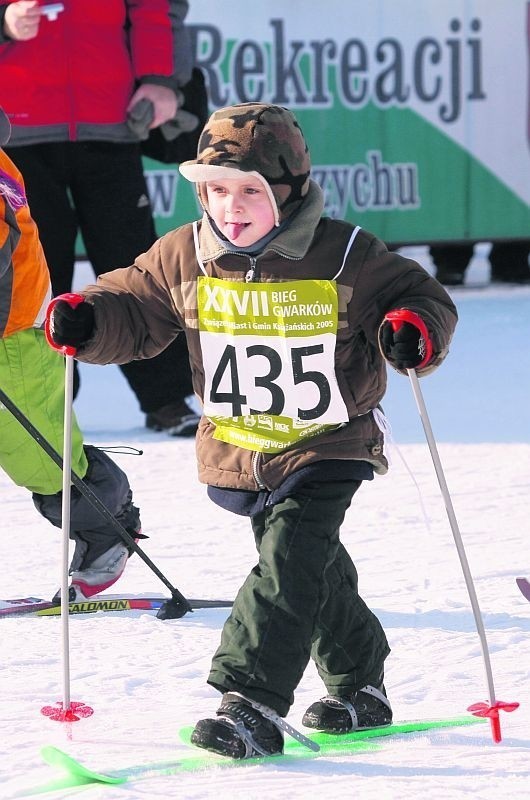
column 416, row 113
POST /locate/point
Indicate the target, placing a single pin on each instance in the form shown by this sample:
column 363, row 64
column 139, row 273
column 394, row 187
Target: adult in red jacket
column 69, row 80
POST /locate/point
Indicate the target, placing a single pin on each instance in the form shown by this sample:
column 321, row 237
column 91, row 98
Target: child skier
column 284, row 312
column 32, row 376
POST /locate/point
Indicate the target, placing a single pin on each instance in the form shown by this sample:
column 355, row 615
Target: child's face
column 241, row 209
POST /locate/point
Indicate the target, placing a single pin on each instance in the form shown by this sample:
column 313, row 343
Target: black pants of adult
column 300, row 602
column 508, row 259
column 99, row 189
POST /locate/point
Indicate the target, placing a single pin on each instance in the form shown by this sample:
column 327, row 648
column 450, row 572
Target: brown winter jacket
column 140, row 309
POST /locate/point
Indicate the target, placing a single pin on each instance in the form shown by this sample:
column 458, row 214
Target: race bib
column 269, row 359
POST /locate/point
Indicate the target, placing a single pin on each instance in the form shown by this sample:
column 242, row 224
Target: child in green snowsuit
column 32, row 376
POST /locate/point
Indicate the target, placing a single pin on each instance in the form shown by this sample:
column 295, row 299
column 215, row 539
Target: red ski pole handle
column 73, row 300
column 399, row 316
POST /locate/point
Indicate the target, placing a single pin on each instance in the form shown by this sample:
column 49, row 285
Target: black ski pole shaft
column 183, row 604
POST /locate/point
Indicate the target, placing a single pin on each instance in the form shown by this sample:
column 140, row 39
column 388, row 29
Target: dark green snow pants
column 300, row 601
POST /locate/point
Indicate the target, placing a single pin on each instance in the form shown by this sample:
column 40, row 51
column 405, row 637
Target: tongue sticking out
column 234, row 229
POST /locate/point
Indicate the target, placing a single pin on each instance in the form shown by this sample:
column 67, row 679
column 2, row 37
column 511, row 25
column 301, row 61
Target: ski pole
column 67, row 711
column 174, row 608
column 396, row 319
column 479, row 709
column 65, row 529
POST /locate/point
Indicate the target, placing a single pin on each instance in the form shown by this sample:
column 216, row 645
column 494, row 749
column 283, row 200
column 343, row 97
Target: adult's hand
column 22, row 20
column 165, row 102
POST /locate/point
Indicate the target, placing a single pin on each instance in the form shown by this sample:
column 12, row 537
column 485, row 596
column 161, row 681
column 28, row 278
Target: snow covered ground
column 145, row 678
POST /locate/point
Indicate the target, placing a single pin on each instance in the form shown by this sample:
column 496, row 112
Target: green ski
column 60, row 759
column 77, row 774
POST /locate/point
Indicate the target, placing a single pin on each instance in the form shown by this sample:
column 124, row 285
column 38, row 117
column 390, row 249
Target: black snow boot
column 239, row 731
column 367, row 708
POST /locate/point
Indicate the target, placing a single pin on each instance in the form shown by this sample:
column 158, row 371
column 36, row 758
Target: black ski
column 38, row 607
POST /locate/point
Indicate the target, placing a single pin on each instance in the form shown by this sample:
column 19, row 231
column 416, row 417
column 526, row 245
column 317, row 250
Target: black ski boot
column 367, row 708
column 239, row 731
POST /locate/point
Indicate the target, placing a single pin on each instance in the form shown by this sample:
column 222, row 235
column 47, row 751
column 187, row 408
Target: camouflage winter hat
column 263, row 140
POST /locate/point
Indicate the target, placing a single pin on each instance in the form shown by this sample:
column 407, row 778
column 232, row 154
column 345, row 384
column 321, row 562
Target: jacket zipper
column 252, row 276
column 255, row 470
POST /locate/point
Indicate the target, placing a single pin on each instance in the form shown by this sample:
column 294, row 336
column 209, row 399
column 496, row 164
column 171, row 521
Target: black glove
column 72, row 326
column 405, row 348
